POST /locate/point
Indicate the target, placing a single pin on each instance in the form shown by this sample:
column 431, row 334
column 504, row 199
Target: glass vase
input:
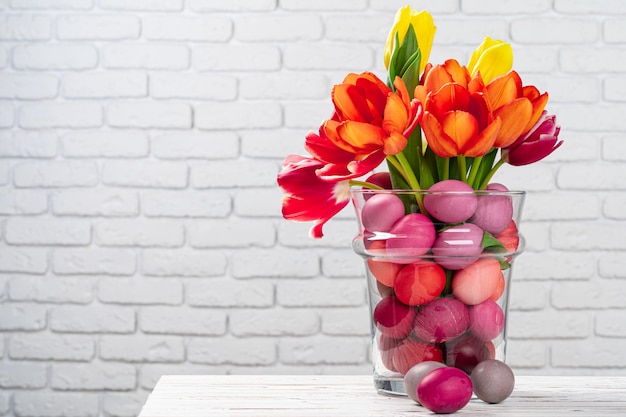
column 438, row 268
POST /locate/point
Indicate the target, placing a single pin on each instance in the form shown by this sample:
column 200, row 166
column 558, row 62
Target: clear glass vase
column 438, row 267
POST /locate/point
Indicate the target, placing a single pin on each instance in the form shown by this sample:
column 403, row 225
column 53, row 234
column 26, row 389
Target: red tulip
column 540, row 141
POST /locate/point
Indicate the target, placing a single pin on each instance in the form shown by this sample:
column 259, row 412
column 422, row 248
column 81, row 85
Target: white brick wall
column 140, row 227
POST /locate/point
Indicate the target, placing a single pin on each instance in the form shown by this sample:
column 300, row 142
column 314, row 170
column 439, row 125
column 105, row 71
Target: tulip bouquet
column 429, row 122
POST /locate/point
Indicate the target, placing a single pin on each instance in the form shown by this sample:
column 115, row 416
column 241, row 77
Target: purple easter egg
column 493, row 381
column 411, row 237
column 486, row 320
column 415, row 376
column 441, row 320
column 459, row 246
column 381, row 211
column 493, row 212
column 452, row 201
column 445, row 390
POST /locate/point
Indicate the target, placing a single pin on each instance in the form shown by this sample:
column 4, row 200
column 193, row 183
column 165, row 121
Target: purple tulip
column 539, row 142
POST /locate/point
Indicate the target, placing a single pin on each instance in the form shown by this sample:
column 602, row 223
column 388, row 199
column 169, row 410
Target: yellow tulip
column 492, row 58
column 424, row 27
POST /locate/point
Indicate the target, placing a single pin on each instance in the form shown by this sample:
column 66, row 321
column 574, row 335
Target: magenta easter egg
column 393, row 318
column 494, row 212
column 445, row 390
column 486, row 320
column 459, row 246
column 441, row 320
column 380, row 212
column 493, row 381
column 382, row 179
column 450, row 201
column 416, row 374
column 466, row 352
column 411, row 237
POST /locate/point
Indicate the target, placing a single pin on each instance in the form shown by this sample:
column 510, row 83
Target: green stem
column 474, row 170
column 462, row 168
column 491, row 173
column 394, row 161
column 412, row 180
column 445, row 169
column 365, row 184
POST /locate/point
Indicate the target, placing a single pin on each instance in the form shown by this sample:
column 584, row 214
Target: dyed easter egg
column 410, row 237
column 509, row 237
column 384, row 271
column 454, row 207
column 382, row 179
column 493, row 212
column 477, row 282
column 386, row 346
column 445, row 390
column 393, row 318
column 419, row 283
column 466, row 352
column 380, row 212
column 493, row 381
column 410, row 352
column 416, row 374
column 497, row 293
column 441, row 320
column 459, row 246
column 486, row 320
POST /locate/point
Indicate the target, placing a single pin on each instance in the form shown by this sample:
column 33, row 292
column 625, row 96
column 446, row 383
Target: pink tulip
column 539, row 142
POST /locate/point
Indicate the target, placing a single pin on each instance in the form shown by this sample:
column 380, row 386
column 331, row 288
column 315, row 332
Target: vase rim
column 359, row 191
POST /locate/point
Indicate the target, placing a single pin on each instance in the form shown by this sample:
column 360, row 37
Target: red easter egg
column 410, row 352
column 419, row 283
column 441, row 320
column 394, row 318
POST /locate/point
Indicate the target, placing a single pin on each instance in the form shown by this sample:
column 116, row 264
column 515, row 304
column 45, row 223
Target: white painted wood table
column 355, row 396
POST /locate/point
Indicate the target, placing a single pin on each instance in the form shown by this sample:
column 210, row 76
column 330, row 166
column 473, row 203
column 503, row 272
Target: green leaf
column 485, row 167
column 429, row 172
column 410, row 73
column 491, row 244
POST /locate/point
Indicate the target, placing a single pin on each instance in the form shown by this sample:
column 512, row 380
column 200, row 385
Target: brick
column 4, row 402
column 4, row 56
column 195, row 145
column 93, row 377
column 548, row 325
column 528, row 296
column 143, row 291
column 613, row 148
column 584, row 7
column 7, row 115
column 613, row 30
column 257, row 202
column 538, row 59
column 323, row 350
column 562, row 206
column 274, row 322
column 101, row 202
column 187, row 28
column 357, row 28
column 25, row 27
column 610, row 265
column 106, row 144
column 305, row 115
column 47, row 231
column 321, row 5
column 23, row 260
column 79, row 27
column 433, row 6
column 147, row 5
column 92, row 319
column 232, row 6
column 592, row 60
column 328, row 57
column 271, row 143
column 337, row 234
column 506, row 7
column 614, row 88
column 610, row 323
column 146, row 56
column 229, row 293
column 235, row 351
column 236, row 57
column 48, row 114
column 561, row 266
column 286, row 28
column 321, row 293
column 139, row 232
column 141, row 348
column 182, row 320
column 5, row 171
column 57, row 56
column 588, row 236
column 183, row 262
column 151, row 373
column 196, row 86
column 153, row 174
column 38, row 346
column 585, row 354
column 127, row 404
column 606, row 176
column 51, row 290
column 56, row 174
column 28, row 87
column 530, row 178
column 231, row 233
column 54, row 4
column 166, row 115
column 238, row 115
column 580, row 147
column 554, row 30
column 22, row 316
column 284, row 86
column 470, row 31
column 350, row 321
column 23, row 375
column 110, row 84
column 601, row 294
column 56, row 404
column 209, row 203
column 255, row 263
column 526, row 354
column 93, row 261
column 342, row 263
column 21, row 144
column 22, row 202
column 567, row 89
column 233, row 173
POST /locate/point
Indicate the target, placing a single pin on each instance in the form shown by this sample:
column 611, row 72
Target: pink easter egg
column 452, row 201
column 445, row 390
column 393, row 318
column 415, row 376
column 382, row 179
column 486, row 320
column 459, row 246
column 411, row 237
column 441, row 320
column 476, row 283
column 380, row 212
column 493, row 212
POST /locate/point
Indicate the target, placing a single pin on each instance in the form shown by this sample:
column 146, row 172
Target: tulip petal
column 491, row 59
column 362, row 136
column 515, row 117
column 350, row 104
column 440, row 143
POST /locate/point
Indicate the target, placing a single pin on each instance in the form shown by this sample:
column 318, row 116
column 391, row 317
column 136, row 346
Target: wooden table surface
column 344, row 396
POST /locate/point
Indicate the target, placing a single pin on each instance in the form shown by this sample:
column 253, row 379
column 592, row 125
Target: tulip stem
column 445, row 169
column 462, row 167
column 365, row 184
column 412, row 180
column 491, row 173
column 474, row 170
